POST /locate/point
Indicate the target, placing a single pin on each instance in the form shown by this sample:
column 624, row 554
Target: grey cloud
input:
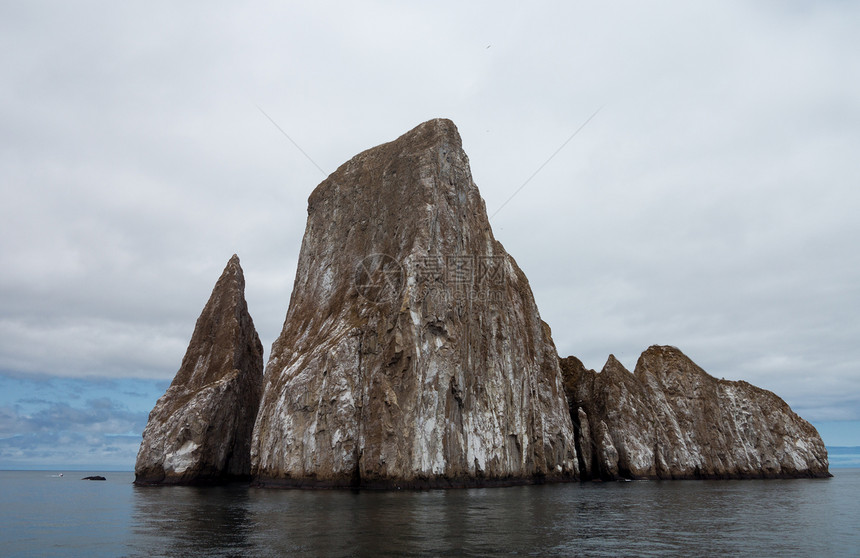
column 68, row 451
column 710, row 205
column 97, row 416
column 101, row 433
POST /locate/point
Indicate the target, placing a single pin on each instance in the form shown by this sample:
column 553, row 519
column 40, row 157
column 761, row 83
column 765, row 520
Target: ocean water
column 42, row 514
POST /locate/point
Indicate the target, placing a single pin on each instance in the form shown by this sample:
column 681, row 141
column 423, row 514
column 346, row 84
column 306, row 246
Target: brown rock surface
column 412, row 353
column 200, row 429
column 671, row 420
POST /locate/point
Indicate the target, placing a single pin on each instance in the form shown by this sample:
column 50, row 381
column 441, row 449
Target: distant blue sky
column 839, row 433
column 73, row 423
column 712, row 204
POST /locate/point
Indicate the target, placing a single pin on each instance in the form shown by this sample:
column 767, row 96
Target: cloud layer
column 711, row 204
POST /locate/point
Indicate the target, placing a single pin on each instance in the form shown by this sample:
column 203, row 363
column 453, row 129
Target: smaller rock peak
column 661, row 350
column 232, row 273
column 657, row 354
column 613, row 365
column 233, row 263
column 573, row 362
column 668, row 364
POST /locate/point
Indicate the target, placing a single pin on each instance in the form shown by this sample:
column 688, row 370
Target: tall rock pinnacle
column 200, row 429
column 412, row 353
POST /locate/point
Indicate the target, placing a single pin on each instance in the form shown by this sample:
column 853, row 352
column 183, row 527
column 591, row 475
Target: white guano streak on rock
column 180, row 460
column 739, row 418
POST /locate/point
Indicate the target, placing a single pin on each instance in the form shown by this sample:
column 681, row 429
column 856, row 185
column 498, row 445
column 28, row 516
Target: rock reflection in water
column 645, row 518
column 191, row 521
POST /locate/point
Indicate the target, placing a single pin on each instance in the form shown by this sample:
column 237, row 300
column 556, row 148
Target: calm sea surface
column 42, row 514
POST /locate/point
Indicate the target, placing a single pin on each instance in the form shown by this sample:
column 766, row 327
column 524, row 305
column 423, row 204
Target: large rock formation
column 412, row 353
column 200, row 429
column 671, row 420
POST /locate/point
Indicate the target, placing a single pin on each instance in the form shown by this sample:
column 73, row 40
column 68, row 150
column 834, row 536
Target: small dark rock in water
column 94, row 477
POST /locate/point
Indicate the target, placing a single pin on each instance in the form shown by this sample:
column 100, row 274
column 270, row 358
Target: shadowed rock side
column 200, row 430
column 671, row 420
column 412, row 353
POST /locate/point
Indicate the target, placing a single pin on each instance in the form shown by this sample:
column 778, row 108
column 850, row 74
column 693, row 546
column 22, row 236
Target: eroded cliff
column 669, row 419
column 200, row 430
column 412, row 353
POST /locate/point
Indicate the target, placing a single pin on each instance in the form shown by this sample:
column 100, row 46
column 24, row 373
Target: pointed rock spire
column 200, row 429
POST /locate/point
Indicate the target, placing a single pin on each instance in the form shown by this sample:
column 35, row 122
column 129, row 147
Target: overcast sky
column 711, row 204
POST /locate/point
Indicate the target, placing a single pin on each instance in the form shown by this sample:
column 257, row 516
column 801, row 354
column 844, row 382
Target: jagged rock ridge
column 412, row 353
column 669, row 419
column 200, row 429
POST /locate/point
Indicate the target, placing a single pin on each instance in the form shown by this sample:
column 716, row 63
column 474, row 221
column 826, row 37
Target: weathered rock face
column 200, row 429
column 412, row 353
column 671, row 420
